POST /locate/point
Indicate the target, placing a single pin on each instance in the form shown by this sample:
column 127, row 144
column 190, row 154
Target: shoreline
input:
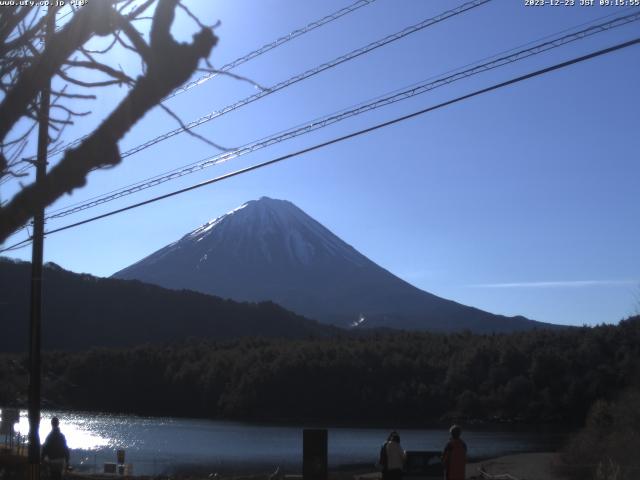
column 519, row 466
column 473, row 424
column 532, row 466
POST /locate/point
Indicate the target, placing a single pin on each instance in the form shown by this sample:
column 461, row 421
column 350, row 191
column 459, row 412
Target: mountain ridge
column 81, row 311
column 269, row 249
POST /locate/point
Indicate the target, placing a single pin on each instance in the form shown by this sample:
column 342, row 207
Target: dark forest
column 412, row 378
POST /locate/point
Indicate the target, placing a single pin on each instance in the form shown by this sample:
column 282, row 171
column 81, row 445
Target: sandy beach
column 523, row 466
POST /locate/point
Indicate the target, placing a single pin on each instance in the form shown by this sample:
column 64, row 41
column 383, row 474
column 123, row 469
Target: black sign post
column 314, row 454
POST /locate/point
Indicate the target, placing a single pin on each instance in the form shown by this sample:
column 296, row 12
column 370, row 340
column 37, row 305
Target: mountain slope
column 271, row 250
column 82, row 311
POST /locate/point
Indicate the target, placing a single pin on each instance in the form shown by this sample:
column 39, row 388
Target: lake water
column 164, row 445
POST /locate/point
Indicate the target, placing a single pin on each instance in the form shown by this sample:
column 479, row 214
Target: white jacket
column 395, row 456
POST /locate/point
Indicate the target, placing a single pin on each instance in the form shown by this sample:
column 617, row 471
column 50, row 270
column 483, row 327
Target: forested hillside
column 82, row 311
column 393, row 377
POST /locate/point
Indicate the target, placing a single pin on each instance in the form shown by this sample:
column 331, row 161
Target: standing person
column 392, row 458
column 55, row 449
column 454, row 456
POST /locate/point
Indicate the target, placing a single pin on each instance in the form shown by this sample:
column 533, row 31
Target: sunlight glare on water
column 80, row 430
column 164, row 445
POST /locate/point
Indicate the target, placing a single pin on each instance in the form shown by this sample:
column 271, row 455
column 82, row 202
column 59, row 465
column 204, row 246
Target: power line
column 270, row 46
column 249, row 56
column 17, row 246
column 501, row 55
column 292, row 80
column 235, row 63
column 322, row 122
column 308, row 74
column 357, row 133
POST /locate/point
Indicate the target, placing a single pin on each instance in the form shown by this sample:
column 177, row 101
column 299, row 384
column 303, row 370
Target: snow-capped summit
column 276, row 230
column 269, row 249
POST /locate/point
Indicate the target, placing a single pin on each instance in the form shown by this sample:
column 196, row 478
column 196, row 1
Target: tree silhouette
column 26, row 67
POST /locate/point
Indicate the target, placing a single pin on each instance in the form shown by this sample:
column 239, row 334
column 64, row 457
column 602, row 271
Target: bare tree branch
column 235, row 76
column 71, row 112
column 121, row 77
column 139, row 10
column 24, row 38
column 81, row 83
column 194, row 18
column 10, row 19
column 190, row 132
column 139, row 45
column 169, row 65
column 81, row 96
column 94, row 18
column 105, row 50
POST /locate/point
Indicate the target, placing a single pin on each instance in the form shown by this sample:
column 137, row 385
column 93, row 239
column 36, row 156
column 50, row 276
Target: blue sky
column 520, row 201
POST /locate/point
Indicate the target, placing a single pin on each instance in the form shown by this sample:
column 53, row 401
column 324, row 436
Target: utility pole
column 35, row 362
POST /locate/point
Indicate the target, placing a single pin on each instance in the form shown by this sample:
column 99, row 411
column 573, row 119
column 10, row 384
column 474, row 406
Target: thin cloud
column 558, row 284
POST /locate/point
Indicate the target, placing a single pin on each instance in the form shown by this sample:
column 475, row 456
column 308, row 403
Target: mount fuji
column 269, row 249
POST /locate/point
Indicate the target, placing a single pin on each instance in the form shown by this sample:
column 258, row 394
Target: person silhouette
column 392, row 458
column 55, row 450
column 454, row 456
